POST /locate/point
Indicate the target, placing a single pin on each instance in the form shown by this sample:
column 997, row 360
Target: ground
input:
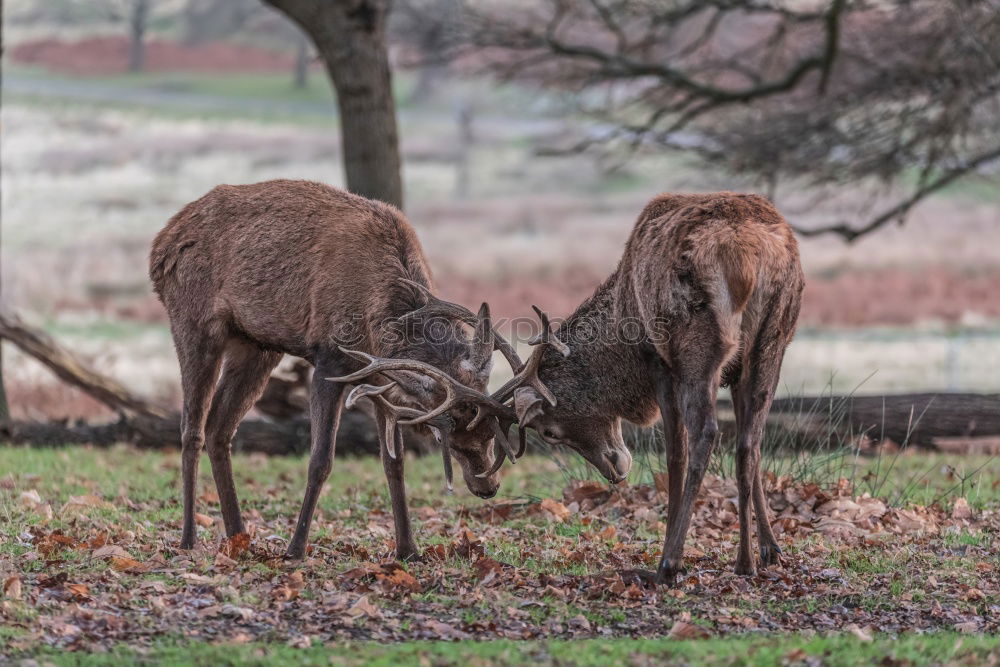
column 90, row 563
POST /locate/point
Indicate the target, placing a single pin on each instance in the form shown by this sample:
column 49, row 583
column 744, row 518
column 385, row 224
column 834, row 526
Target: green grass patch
column 941, row 648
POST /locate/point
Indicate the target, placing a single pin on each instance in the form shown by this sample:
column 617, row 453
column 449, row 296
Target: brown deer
column 250, row 272
column 707, row 293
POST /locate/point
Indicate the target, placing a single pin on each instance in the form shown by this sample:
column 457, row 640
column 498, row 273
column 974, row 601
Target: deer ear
column 484, row 335
column 528, row 405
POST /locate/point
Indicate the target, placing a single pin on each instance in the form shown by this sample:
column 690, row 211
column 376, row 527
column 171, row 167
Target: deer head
column 446, row 396
column 558, row 416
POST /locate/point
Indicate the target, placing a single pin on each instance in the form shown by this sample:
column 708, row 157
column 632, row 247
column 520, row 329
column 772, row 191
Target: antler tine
column 528, row 373
column 506, row 451
column 546, row 336
column 455, row 391
column 390, row 412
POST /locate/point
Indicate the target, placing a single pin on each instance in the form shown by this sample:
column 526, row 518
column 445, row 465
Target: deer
column 706, row 294
column 248, row 273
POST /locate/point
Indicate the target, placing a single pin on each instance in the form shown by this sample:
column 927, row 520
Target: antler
column 437, row 307
column 527, row 374
column 455, row 391
column 441, row 425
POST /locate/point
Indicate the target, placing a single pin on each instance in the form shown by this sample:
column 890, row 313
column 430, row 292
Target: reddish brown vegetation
column 884, row 296
column 109, row 55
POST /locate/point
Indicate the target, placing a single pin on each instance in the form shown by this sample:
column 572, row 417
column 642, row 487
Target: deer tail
column 738, row 262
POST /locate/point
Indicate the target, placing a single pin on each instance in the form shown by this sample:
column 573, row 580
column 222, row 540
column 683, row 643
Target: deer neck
column 609, row 358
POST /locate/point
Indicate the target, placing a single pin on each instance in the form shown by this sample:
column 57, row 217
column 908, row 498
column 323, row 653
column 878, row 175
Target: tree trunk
column 4, row 408
column 301, row 60
column 349, row 36
column 137, row 34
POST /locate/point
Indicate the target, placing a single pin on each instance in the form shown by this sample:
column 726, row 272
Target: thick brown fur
column 707, row 293
column 248, row 272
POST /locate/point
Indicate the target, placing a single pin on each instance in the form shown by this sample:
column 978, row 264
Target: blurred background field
column 95, row 160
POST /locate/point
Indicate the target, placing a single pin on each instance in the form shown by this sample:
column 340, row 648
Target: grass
column 941, row 648
column 139, row 508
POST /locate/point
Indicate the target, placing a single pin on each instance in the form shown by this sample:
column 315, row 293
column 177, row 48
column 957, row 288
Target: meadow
column 90, row 564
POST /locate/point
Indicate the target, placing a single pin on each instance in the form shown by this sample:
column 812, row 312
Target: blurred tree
column 4, row 408
column 804, row 94
column 350, row 37
column 205, row 20
column 137, row 21
column 302, row 57
column 422, row 28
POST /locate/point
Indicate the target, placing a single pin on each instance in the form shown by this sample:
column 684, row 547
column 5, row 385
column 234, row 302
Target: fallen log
column 71, row 370
column 915, row 419
column 357, row 436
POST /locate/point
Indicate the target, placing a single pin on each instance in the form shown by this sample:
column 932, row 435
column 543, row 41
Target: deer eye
column 549, row 433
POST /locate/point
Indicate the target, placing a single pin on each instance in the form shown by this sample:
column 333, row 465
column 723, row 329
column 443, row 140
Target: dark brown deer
column 250, row 272
column 706, row 294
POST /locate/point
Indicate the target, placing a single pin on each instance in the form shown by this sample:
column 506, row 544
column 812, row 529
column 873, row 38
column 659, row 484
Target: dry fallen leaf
column 685, row 630
column 555, row 509
column 111, row 551
column 235, row 546
column 363, row 608
column 864, row 634
column 12, row 587
column 203, row 520
column 123, row 564
column 961, row 509
column 967, row 627
column 224, row 562
column 79, row 590
column 85, row 502
column 30, row 498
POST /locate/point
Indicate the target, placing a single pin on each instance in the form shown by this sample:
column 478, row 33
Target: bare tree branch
column 899, row 211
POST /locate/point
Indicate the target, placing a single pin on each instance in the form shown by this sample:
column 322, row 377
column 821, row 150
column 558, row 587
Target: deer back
column 289, row 264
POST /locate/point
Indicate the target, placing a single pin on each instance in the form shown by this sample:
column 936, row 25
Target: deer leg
column 753, row 394
column 770, row 552
column 698, row 408
column 324, row 415
column 406, row 546
column 245, row 372
column 199, row 358
column 746, row 466
column 675, row 440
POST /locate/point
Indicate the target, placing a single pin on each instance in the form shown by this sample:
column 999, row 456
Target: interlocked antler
column 441, row 426
column 527, row 374
column 455, row 391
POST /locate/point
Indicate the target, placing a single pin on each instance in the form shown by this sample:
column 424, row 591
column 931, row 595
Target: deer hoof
column 295, row 553
column 669, row 571
column 770, row 555
column 187, row 541
column 746, row 569
column 409, row 555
